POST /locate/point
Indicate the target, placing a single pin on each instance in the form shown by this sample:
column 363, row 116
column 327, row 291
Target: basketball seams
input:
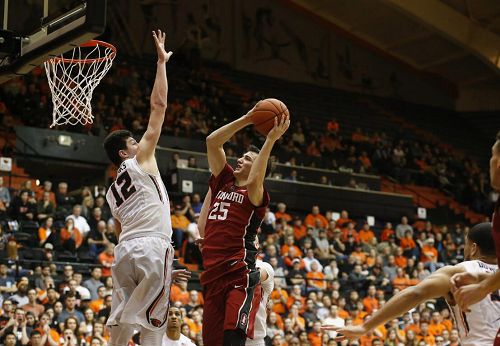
column 279, row 109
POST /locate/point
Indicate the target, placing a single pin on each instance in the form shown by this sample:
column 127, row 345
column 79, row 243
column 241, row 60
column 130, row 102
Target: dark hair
column 498, row 135
column 269, row 166
column 114, row 142
column 481, row 234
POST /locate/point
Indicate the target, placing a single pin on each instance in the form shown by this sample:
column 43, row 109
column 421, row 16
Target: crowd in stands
column 56, row 249
column 198, row 106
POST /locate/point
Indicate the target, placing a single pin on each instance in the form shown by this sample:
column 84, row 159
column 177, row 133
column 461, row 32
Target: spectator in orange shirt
column 446, row 320
column 279, row 297
column 299, row 230
column 387, row 232
column 106, row 259
column 97, row 304
column 71, row 236
column 298, row 322
column 358, row 136
column 282, row 214
column 315, row 337
column 315, row 277
column 400, row 259
column 366, row 235
column 290, row 243
column 436, row 327
column 408, row 245
column 314, row 215
column 425, row 335
column 313, row 150
column 180, row 225
column 429, row 255
column 47, row 231
column 179, row 293
column 370, row 302
column 350, row 231
column 401, row 281
column 333, row 126
column 415, row 325
column 365, row 162
column 358, row 254
column 344, row 219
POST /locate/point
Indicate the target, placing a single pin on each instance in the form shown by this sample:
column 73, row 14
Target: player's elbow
column 158, row 105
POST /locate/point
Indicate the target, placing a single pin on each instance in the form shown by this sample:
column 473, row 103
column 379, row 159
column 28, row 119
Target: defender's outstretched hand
column 159, row 38
column 280, row 127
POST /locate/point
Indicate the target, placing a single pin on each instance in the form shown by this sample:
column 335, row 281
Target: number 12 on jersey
column 126, row 188
column 219, row 211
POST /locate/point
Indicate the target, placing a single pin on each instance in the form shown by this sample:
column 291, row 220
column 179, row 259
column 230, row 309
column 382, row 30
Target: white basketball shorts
column 142, row 276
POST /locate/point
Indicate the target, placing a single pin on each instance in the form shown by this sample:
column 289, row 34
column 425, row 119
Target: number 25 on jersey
column 219, row 211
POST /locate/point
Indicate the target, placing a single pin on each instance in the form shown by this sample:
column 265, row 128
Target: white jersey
column 260, row 324
column 479, row 326
column 183, row 341
column 139, row 201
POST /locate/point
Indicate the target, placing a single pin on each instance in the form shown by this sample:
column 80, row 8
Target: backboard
column 32, row 31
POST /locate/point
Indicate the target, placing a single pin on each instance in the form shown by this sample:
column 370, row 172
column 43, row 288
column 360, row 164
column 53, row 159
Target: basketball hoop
column 72, row 79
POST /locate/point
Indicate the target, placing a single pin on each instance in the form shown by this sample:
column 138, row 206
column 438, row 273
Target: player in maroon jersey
column 238, row 202
column 471, row 289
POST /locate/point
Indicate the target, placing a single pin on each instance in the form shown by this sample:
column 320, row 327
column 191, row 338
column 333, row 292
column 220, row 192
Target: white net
column 72, row 79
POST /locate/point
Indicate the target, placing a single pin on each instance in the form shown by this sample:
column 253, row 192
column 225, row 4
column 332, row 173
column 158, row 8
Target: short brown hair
column 114, row 142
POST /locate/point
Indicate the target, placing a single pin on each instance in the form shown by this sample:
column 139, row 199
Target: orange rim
column 91, row 43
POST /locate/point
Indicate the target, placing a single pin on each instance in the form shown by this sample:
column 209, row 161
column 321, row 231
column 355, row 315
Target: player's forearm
column 258, row 171
column 490, row 282
column 398, row 305
column 159, row 96
column 223, row 134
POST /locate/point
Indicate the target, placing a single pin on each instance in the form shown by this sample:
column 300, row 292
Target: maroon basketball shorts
column 230, row 303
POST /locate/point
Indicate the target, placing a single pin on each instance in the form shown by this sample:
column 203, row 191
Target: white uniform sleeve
column 268, row 284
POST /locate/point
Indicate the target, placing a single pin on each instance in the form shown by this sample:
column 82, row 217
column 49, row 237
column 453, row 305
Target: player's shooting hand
column 180, row 275
column 159, row 38
column 281, row 124
column 468, row 295
column 350, row 332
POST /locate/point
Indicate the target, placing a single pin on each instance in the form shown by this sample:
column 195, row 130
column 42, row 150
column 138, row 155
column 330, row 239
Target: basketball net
column 72, row 79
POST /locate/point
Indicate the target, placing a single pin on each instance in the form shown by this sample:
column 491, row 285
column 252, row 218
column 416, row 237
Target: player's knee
column 234, row 337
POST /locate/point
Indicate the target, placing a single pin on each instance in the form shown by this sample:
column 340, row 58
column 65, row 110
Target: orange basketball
column 264, row 113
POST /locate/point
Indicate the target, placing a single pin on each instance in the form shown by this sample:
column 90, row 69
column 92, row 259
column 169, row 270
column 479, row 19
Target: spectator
column 180, row 224
column 281, row 213
column 45, row 207
column 97, row 240
column 32, row 305
column 7, row 283
column 70, row 310
column 106, row 259
column 71, row 237
column 315, row 215
column 98, row 303
column 4, row 194
column 64, row 202
column 94, row 282
column 21, row 297
column 80, row 222
column 387, row 232
column 403, row 227
column 315, row 278
column 23, row 207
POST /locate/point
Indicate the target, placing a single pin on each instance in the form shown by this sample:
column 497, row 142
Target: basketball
column 264, row 113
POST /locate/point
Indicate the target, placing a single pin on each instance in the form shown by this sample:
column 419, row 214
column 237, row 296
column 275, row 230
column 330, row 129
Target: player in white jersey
column 142, row 269
column 477, row 327
column 267, row 282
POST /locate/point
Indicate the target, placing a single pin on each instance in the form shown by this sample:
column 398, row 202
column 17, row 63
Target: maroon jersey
column 496, row 229
column 231, row 226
